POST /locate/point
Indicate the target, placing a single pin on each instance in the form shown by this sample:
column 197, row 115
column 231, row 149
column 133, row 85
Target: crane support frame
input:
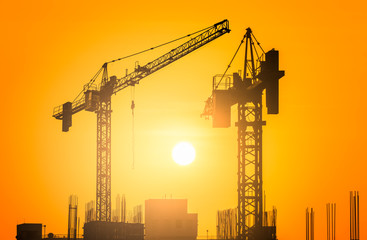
column 103, row 191
column 101, row 105
column 246, row 92
column 249, row 175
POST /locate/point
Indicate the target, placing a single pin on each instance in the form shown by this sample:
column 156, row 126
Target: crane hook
column 132, row 123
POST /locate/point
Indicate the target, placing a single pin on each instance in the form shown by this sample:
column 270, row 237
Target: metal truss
column 249, row 169
column 103, row 210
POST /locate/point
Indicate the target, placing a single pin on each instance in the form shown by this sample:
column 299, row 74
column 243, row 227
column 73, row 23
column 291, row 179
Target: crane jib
column 175, row 54
column 141, row 72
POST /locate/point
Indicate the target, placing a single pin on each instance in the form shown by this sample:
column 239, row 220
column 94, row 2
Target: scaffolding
column 226, row 224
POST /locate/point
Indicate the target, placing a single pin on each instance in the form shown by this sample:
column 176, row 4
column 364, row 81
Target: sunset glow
column 313, row 151
column 183, row 153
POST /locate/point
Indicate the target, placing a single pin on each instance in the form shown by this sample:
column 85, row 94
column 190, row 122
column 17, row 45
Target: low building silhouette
column 167, row 219
column 97, row 230
column 29, row 231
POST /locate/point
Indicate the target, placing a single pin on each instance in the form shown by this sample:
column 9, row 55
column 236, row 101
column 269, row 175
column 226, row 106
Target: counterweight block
column 270, row 75
column 222, row 102
column 66, row 113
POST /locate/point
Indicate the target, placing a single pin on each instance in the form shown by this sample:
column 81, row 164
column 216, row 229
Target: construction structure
column 270, row 218
column 73, row 217
column 261, row 72
column 137, row 214
column 310, row 224
column 330, row 221
column 227, row 224
column 168, row 219
column 354, row 215
column 90, row 212
column 113, row 231
column 116, row 213
column 97, row 98
column 123, row 209
column 29, row 231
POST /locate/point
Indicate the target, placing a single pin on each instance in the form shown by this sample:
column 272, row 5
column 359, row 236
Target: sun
column 183, row 153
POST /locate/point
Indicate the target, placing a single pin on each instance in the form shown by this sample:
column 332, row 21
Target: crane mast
column 98, row 100
column 246, row 92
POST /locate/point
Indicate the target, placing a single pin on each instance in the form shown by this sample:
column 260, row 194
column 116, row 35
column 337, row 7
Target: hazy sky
column 314, row 150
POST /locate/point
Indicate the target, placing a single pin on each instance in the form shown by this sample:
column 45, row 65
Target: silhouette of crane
column 98, row 99
column 259, row 74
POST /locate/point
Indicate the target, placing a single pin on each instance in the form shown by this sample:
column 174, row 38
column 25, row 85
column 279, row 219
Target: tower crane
column 261, row 72
column 98, row 99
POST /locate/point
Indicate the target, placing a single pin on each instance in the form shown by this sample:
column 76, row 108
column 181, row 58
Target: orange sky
column 314, row 150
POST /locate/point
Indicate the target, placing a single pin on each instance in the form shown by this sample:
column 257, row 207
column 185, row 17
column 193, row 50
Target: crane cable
column 229, row 65
column 133, row 86
column 133, row 121
column 161, row 45
column 89, row 84
column 258, row 43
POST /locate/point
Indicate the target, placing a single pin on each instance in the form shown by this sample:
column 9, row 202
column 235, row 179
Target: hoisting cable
column 161, row 45
column 229, row 65
column 133, row 120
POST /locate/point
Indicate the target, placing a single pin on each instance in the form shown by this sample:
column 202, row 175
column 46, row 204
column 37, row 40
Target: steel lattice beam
column 103, row 194
column 249, row 169
column 196, row 42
